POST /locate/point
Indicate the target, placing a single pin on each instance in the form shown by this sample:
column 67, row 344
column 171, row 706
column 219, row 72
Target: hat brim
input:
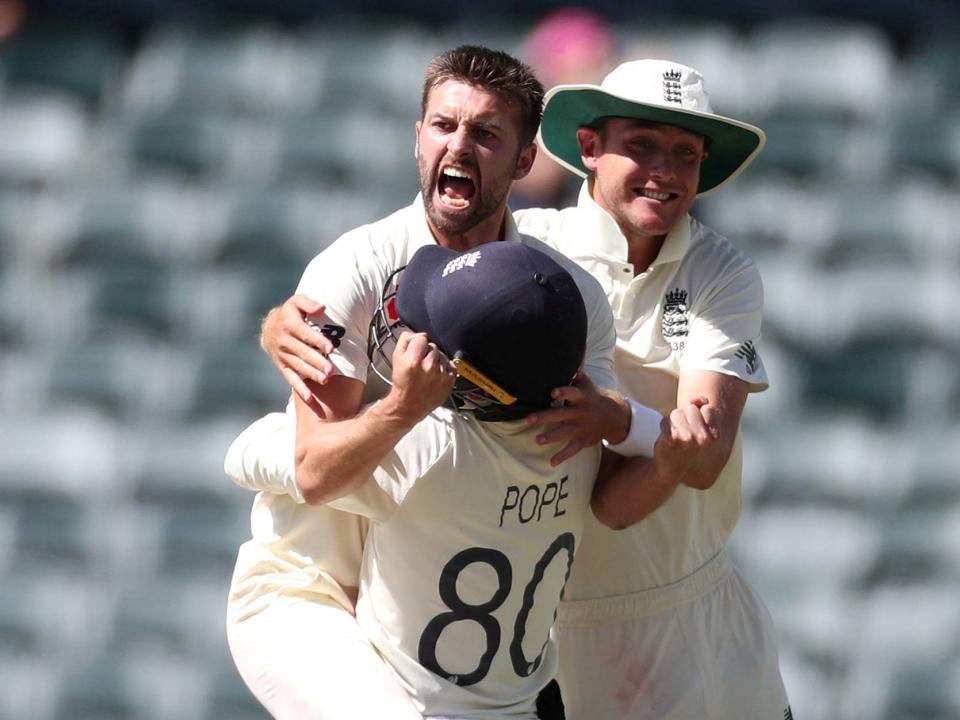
column 733, row 144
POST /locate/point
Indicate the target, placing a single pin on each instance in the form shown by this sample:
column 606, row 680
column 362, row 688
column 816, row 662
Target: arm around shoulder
column 337, row 449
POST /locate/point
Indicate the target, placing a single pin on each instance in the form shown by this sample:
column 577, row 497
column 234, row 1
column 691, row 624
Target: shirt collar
column 609, row 240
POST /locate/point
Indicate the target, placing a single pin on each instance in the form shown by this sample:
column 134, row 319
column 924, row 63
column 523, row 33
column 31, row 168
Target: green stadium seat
column 84, row 61
column 122, row 375
column 868, row 376
column 183, row 143
column 815, row 64
column 926, row 143
column 803, row 145
column 170, row 618
column 53, row 136
column 230, row 697
column 52, row 529
column 925, row 691
column 134, row 300
column 237, row 379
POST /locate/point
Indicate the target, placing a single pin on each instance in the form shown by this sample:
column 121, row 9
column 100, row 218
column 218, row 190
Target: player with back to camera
column 656, row 622
column 473, row 528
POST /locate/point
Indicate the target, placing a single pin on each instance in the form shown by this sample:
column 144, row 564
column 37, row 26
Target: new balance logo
column 748, row 353
column 788, row 714
column 332, row 332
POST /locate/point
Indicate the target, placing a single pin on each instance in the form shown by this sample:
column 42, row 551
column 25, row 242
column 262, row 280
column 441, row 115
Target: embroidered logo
column 671, row 86
column 466, row 260
column 675, row 323
column 788, row 714
column 748, row 353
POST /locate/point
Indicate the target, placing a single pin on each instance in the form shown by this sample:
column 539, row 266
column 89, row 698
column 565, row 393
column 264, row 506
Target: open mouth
column 455, row 187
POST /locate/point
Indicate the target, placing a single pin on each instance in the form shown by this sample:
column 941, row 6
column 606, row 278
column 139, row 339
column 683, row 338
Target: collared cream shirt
column 697, row 307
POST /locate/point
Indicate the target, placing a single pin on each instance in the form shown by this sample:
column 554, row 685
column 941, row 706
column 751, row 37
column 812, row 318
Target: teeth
column 456, row 202
column 453, row 172
column 655, row 195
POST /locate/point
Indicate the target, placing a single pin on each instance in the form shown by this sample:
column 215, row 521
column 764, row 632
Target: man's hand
column 687, row 438
column 296, row 348
column 422, row 378
column 629, row 489
column 588, row 416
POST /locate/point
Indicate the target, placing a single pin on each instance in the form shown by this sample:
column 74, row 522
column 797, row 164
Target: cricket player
column 656, row 622
column 481, row 110
column 473, row 529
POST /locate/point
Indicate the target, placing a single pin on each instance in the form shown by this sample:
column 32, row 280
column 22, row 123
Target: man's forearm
column 335, row 458
column 629, row 489
column 705, row 468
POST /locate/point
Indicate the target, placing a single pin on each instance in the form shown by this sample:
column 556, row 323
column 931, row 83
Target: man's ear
column 591, row 147
column 416, row 139
column 525, row 161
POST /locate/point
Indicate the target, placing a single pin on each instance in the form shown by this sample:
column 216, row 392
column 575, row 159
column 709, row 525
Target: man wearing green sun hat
column 656, row 622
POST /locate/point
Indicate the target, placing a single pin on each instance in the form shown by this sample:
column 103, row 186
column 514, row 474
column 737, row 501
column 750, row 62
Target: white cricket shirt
column 698, row 307
column 472, row 536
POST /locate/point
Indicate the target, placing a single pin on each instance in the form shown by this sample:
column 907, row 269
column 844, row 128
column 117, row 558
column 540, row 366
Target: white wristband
column 643, row 433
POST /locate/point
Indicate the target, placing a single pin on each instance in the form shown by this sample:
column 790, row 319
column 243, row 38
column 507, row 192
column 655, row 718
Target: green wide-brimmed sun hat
column 657, row 91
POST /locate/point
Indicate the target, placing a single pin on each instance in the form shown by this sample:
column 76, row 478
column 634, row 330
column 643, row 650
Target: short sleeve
column 725, row 326
column 346, row 278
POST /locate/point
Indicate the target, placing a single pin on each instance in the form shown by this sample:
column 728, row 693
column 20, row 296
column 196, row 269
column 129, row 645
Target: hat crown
column 659, row 82
column 513, row 312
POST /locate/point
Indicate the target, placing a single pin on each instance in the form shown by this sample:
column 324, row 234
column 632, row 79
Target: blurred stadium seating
column 159, row 191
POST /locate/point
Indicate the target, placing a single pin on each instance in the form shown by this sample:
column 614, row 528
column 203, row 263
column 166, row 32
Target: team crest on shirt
column 748, row 353
column 675, row 323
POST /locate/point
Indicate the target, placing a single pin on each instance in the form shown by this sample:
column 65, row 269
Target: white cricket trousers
column 305, row 659
column 699, row 649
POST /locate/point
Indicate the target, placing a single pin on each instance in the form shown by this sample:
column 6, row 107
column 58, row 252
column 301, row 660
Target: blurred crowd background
column 168, row 168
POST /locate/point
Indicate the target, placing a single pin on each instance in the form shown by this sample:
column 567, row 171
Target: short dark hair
column 491, row 70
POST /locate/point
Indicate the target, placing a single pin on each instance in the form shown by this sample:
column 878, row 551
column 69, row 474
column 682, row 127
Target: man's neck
column 643, row 250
